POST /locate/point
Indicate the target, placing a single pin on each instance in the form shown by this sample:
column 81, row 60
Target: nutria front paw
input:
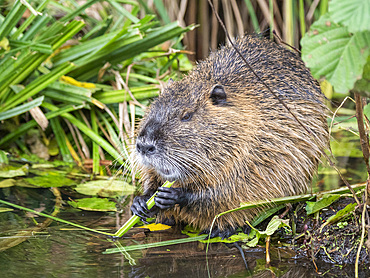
column 140, row 208
column 216, row 232
column 168, row 197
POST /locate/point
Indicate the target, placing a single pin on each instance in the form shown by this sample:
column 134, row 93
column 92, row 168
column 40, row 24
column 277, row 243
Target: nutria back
column 225, row 139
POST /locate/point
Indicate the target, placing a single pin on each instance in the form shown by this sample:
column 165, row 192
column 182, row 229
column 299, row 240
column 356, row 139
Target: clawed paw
column 216, row 232
column 140, row 208
column 167, row 198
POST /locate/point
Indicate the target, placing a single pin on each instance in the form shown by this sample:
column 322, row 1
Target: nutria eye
column 187, row 117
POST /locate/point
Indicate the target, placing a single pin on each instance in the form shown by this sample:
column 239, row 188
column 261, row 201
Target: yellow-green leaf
column 156, row 227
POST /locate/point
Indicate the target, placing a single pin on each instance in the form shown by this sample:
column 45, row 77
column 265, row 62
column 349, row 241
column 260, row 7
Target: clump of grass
column 64, row 68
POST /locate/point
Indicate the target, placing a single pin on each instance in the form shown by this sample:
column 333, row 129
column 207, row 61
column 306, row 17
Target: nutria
column 225, row 139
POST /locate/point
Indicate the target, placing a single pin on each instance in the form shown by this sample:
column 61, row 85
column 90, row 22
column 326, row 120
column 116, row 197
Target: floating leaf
column 326, row 201
column 331, row 51
column 155, row 227
column 354, row 14
column 10, row 172
column 105, row 188
column 7, row 183
column 94, row 204
column 50, row 179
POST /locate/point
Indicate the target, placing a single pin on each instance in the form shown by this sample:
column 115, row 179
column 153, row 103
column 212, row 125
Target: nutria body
column 225, row 139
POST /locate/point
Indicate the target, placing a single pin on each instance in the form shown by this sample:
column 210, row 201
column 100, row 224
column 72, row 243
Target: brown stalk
column 364, row 140
column 214, row 30
column 238, row 18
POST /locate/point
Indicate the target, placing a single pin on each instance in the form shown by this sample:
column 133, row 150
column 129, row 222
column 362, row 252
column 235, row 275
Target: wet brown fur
column 250, row 148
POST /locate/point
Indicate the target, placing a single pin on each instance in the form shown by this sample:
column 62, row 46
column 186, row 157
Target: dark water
column 62, row 252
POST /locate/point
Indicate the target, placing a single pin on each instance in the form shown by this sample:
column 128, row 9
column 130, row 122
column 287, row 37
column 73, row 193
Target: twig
column 268, row 258
column 363, row 224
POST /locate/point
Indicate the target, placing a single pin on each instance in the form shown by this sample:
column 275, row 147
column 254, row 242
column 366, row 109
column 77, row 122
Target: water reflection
column 61, row 252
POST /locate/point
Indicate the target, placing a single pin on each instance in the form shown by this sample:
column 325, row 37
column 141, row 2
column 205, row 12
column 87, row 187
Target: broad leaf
column 10, row 172
column 354, row 14
column 50, row 180
column 331, row 51
column 326, row 201
column 106, row 188
column 94, row 204
column 7, row 183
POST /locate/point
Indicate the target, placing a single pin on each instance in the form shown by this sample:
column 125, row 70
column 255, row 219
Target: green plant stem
column 37, row 85
column 85, row 129
column 134, row 219
column 12, row 19
column 292, row 199
column 95, row 147
column 302, row 22
column 23, row 128
column 127, row 226
column 253, row 16
column 154, row 244
column 29, row 20
column 54, row 218
column 271, row 7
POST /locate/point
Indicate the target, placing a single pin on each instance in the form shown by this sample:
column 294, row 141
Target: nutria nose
column 145, row 149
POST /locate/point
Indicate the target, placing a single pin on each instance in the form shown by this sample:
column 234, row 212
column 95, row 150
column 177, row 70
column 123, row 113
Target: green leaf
column 105, row 188
column 41, row 47
column 339, row 215
column 10, row 172
column 37, row 85
column 253, row 242
column 21, row 108
column 7, row 183
column 265, row 214
column 51, row 179
column 275, row 224
column 153, row 244
column 23, row 128
column 331, row 51
column 11, row 20
column 326, row 201
column 354, row 14
column 94, row 204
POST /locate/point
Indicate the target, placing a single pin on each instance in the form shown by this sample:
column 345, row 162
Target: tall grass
column 65, row 66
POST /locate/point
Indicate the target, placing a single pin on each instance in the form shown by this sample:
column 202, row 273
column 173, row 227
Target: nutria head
column 195, row 131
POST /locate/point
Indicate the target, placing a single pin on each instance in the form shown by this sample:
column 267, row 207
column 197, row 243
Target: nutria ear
column 218, row 95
